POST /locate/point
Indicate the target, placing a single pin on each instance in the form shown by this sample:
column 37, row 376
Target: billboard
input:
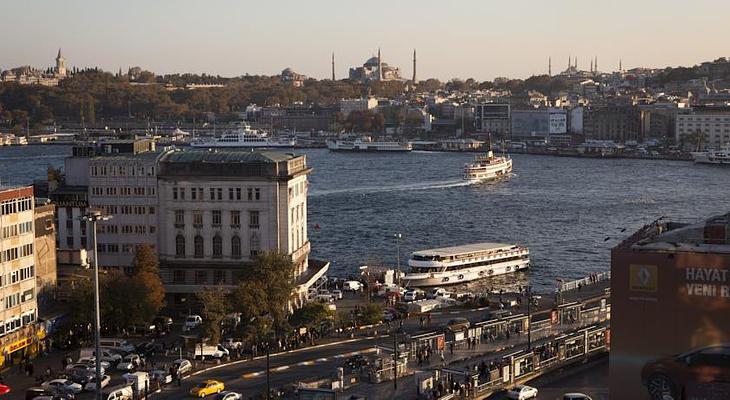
column 670, row 325
column 558, row 123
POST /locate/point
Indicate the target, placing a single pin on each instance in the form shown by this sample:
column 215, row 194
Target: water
column 568, row 211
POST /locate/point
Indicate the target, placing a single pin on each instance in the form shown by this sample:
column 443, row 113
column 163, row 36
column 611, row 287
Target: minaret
column 595, row 65
column 414, row 67
column 591, row 66
column 550, row 66
column 576, row 63
column 620, row 67
column 568, row 62
column 60, row 65
column 333, row 65
column 380, row 66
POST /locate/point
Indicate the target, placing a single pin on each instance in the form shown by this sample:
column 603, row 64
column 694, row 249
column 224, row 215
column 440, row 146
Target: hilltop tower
column 60, row 65
column 380, row 66
column 550, row 66
column 333, row 65
column 414, row 66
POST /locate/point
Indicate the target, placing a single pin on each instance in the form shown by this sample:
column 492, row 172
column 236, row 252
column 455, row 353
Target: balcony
column 179, row 225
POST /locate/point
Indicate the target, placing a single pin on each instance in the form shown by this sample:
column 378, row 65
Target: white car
column 92, row 361
column 182, row 366
column 129, row 362
column 337, row 294
column 192, row 322
column 83, row 368
column 91, row 384
column 162, row 376
column 63, row 385
column 576, row 396
column 229, row 396
column 522, row 392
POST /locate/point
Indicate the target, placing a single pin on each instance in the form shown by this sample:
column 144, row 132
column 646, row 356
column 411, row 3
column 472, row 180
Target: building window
column 219, row 277
column 235, row 219
column 182, row 193
column 249, row 192
column 216, row 217
column 253, row 219
column 179, row 218
column 180, row 246
column 217, row 246
column 257, row 194
column 212, row 193
column 230, row 193
column 201, row 277
column 198, row 219
column 236, row 247
column 70, row 241
column 255, row 243
column 238, row 193
column 220, row 193
column 178, row 276
column 198, row 246
column 152, row 210
column 193, row 194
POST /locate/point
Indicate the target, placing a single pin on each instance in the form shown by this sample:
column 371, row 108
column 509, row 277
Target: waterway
column 568, row 211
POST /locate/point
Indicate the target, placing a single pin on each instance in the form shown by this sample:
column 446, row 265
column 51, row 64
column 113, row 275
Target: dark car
column 700, row 373
column 33, row 392
column 458, row 324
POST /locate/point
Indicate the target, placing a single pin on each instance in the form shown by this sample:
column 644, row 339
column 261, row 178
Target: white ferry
column 487, row 167
column 242, row 137
column 720, row 157
column 460, row 264
column 359, row 145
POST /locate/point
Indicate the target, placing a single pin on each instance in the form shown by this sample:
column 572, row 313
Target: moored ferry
column 359, row 145
column 243, row 137
column 487, row 167
column 720, row 157
column 466, row 263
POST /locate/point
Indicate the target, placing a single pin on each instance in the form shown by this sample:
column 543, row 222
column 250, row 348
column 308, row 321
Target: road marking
column 308, row 362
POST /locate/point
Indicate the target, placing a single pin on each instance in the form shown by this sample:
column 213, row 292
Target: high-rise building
column 20, row 335
column 670, row 300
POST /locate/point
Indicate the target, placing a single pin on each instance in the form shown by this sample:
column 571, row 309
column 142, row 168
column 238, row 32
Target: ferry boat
column 466, row 263
column 720, row 157
column 359, row 145
column 487, row 167
column 243, row 136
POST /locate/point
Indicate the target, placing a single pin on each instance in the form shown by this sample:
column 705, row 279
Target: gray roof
column 224, row 156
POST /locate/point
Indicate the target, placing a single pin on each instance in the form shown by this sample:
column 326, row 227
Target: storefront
column 23, row 344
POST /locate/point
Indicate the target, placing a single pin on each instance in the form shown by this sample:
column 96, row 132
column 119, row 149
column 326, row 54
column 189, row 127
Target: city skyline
column 515, row 43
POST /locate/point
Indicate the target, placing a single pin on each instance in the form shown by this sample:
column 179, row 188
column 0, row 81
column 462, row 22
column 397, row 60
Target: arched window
column 198, row 246
column 255, row 244
column 217, row 246
column 180, row 246
column 235, row 247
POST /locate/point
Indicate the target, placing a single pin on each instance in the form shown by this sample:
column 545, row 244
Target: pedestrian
column 30, row 369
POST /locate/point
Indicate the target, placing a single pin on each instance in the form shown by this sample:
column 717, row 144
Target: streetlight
column 529, row 317
column 95, row 216
column 270, row 319
column 398, row 237
column 365, row 270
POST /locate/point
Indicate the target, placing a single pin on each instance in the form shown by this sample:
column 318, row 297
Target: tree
column 372, row 314
column 81, row 302
column 145, row 260
column 213, row 309
column 311, row 315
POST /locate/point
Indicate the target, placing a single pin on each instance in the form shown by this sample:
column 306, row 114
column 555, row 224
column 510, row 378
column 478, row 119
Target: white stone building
column 349, row 105
column 712, row 122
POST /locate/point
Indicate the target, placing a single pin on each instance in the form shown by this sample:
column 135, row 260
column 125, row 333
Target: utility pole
column 395, row 359
column 268, row 370
column 398, row 237
column 94, row 216
column 529, row 317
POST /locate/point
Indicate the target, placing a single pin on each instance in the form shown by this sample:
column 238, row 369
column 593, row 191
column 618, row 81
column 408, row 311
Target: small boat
column 466, row 263
column 243, row 137
column 719, row 157
column 360, row 145
column 487, row 167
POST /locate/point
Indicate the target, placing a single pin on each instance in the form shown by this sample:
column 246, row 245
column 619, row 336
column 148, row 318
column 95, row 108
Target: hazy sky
column 468, row 38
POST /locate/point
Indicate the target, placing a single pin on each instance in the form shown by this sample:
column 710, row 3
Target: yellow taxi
column 205, row 388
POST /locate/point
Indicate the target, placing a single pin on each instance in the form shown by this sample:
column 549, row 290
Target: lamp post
column 398, row 237
column 366, row 271
column 529, row 317
column 395, row 359
column 95, row 216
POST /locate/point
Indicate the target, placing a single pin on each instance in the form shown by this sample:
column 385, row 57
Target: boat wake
column 396, row 188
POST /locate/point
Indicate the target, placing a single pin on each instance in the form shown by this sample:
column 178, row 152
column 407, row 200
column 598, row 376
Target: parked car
column 413, row 295
column 337, row 294
column 91, row 384
column 129, row 362
column 324, row 298
column 352, row 286
column 355, row 362
column 162, row 322
column 458, row 324
column 232, row 344
column 63, row 385
column 106, row 355
column 576, row 396
column 182, row 366
column 229, row 396
column 522, row 392
column 436, row 292
column 208, row 351
column 162, row 376
column 92, row 361
column 391, row 314
column 123, row 392
column 208, row 387
column 82, row 368
column 116, row 344
column 42, row 393
column 192, row 322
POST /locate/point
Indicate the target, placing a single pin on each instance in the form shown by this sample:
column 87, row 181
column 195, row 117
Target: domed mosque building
column 374, row 69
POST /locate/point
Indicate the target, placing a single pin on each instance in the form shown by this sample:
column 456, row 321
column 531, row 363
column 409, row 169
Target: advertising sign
column 558, row 123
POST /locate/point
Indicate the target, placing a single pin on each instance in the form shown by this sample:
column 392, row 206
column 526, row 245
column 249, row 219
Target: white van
column 114, row 343
column 352, row 286
column 123, row 392
column 138, row 381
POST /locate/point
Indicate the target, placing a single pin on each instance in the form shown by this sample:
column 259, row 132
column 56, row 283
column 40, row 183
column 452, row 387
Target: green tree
column 214, row 308
column 372, row 314
column 311, row 315
column 145, row 260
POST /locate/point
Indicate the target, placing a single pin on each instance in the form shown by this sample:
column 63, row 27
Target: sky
column 480, row 39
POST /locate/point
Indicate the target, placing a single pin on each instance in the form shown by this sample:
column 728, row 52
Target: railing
column 588, row 280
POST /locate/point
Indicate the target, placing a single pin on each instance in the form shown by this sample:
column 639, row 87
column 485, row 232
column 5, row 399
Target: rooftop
column 463, row 249
column 665, row 235
column 219, row 156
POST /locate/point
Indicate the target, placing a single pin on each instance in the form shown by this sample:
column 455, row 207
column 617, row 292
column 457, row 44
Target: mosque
column 375, row 69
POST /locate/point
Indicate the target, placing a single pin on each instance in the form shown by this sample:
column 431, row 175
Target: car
column 391, row 314
column 63, row 385
column 162, row 322
column 83, row 368
column 576, row 396
column 352, row 286
column 91, row 384
column 182, row 366
column 129, row 362
column 229, row 396
column 207, row 387
column 458, row 324
column 232, row 344
column 324, row 298
column 436, row 292
column 522, row 392
column 337, row 294
column 192, row 322
column 413, row 295
column 92, row 361
column 672, row 376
